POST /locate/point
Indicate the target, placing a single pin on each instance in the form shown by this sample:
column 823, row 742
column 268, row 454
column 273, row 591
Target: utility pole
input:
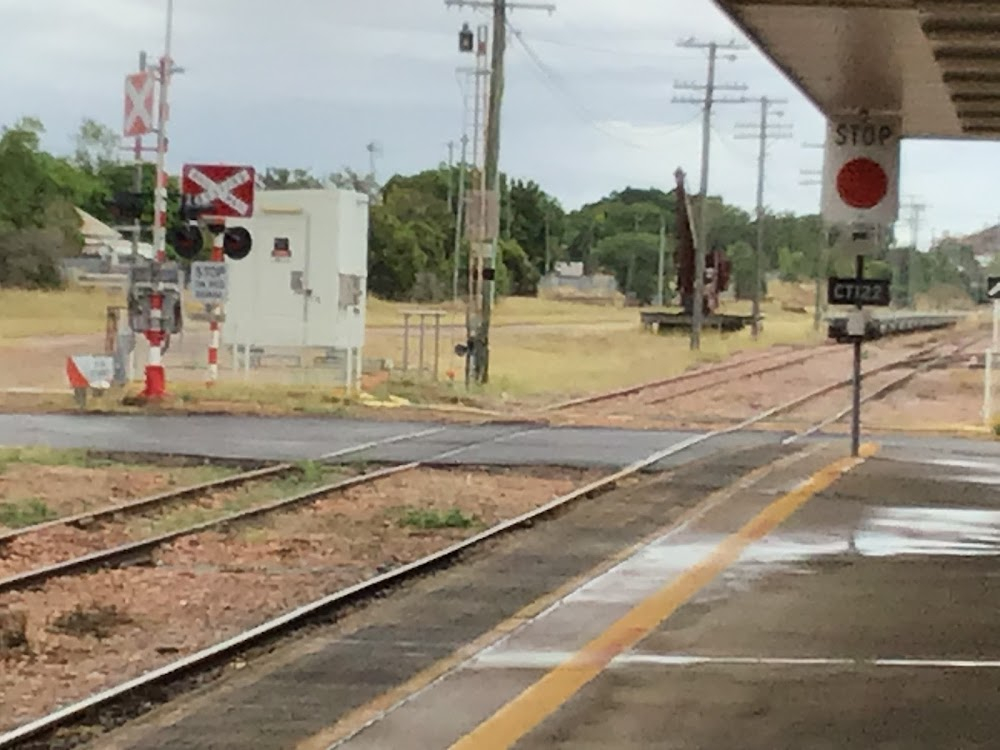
column 710, row 88
column 459, row 217
column 451, row 176
column 156, row 384
column 662, row 261
column 374, row 151
column 491, row 172
column 476, row 219
column 548, row 239
column 137, row 180
column 916, row 211
column 813, row 178
column 766, row 130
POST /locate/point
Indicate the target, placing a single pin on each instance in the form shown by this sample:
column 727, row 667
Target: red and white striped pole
column 156, row 380
column 215, row 325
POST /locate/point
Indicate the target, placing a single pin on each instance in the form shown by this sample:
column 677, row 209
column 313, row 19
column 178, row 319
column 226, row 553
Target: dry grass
column 526, row 362
column 509, row 311
column 71, row 311
column 584, row 362
column 80, row 311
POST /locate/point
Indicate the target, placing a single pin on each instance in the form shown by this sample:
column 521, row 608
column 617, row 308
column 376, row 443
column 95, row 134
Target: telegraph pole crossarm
column 489, row 5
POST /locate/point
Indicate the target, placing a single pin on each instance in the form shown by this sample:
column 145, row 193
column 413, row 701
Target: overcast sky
column 308, row 83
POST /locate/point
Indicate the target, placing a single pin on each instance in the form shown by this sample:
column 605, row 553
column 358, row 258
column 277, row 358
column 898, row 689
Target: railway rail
column 635, row 402
column 136, row 696
column 769, row 362
column 881, row 326
column 132, row 551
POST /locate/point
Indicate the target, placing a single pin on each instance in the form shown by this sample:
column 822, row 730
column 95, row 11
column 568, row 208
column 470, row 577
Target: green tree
column 535, row 218
column 38, row 226
column 792, row 264
column 633, row 259
column 96, row 146
column 741, row 255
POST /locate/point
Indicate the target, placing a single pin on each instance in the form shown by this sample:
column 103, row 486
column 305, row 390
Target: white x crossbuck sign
column 222, row 190
column 139, row 89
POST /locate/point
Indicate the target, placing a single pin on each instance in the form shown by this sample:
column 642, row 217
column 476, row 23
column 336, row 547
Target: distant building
column 101, row 241
column 569, row 270
column 568, row 280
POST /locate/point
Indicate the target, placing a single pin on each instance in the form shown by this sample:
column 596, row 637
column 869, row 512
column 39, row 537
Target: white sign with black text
column 209, row 281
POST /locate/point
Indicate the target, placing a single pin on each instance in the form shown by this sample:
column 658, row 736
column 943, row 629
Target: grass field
column 80, row 311
column 509, row 311
column 72, row 311
column 584, row 361
column 594, row 348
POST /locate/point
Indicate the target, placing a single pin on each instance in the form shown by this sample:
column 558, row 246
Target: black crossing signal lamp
column 466, row 39
column 236, row 243
column 192, row 208
column 187, row 241
column 126, row 206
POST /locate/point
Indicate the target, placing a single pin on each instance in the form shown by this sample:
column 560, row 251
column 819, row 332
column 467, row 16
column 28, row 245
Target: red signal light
column 862, row 183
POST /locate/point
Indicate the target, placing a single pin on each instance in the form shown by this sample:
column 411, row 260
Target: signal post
column 860, row 203
column 209, row 194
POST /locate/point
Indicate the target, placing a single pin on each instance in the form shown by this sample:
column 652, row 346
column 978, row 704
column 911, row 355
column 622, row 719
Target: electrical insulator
column 466, row 39
column 187, row 241
column 236, row 243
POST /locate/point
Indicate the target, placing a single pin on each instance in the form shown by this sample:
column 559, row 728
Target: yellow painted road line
column 543, row 698
column 358, row 719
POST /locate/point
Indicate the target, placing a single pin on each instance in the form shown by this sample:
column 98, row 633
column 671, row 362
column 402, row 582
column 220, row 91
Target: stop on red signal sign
column 861, row 170
column 862, row 183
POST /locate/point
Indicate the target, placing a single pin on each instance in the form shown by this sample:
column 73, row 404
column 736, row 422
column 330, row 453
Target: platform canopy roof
column 936, row 63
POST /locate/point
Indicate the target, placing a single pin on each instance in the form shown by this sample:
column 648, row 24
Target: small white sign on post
column 209, row 281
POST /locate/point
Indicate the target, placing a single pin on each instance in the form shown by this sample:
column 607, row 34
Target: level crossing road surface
column 293, row 438
column 776, row 597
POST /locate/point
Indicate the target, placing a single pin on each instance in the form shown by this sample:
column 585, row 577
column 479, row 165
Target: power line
column 557, row 83
column 624, row 51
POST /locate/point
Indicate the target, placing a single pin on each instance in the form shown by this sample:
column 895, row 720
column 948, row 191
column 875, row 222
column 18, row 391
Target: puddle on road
column 890, row 531
column 929, row 531
column 645, row 572
column 959, row 463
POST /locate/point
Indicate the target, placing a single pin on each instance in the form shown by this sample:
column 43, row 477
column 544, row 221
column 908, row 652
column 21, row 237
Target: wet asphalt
column 866, row 619
column 283, row 438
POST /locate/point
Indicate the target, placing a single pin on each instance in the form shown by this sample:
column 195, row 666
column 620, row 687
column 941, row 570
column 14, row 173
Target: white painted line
column 549, row 659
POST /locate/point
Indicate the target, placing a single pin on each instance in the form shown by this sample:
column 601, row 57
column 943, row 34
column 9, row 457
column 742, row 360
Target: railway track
column 164, row 499
column 768, row 361
column 140, row 549
column 659, row 392
column 136, row 696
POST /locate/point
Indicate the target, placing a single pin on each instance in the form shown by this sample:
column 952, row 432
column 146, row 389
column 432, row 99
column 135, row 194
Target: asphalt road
column 278, row 438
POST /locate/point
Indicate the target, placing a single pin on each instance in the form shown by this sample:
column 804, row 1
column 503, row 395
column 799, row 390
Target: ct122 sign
column 872, row 292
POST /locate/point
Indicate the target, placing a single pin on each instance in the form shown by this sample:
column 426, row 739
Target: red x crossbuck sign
column 138, row 104
column 222, row 189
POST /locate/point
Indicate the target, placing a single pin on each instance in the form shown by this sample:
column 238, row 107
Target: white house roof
column 95, row 230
